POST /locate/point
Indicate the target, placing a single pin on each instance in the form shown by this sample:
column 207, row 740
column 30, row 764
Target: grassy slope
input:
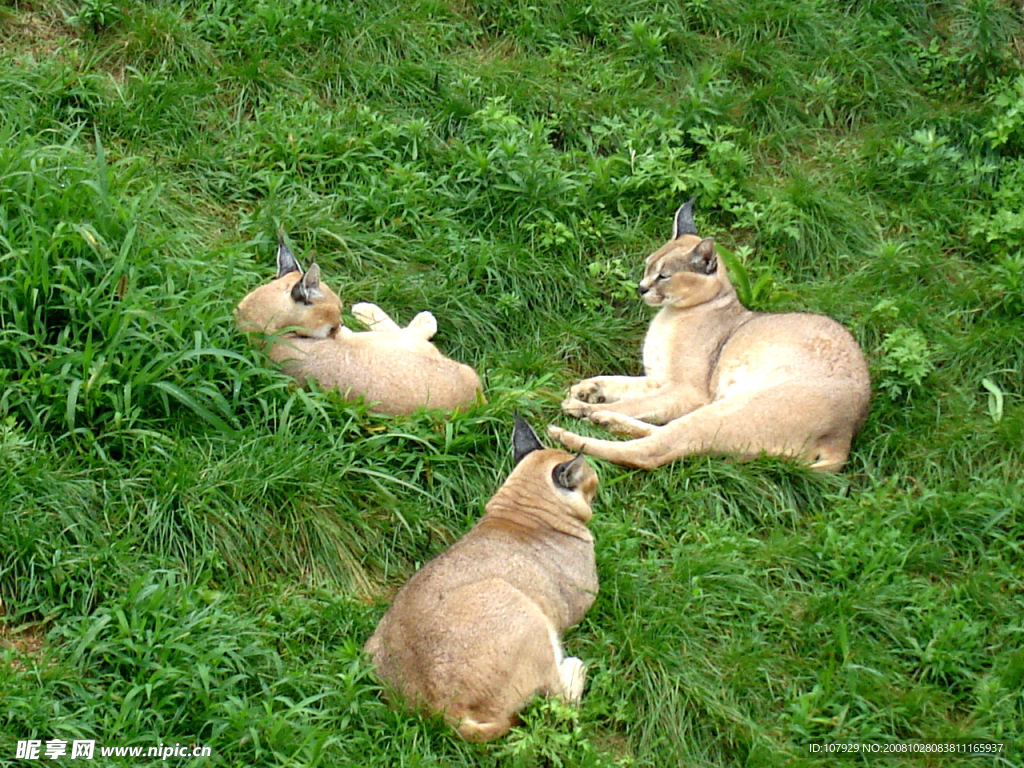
column 205, row 548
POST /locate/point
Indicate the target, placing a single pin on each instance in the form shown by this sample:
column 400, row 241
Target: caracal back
column 476, row 632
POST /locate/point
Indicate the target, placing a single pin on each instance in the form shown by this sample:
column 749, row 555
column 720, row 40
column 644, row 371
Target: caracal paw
column 423, row 325
column 570, row 440
column 621, row 424
column 588, row 391
column 577, row 408
column 574, row 677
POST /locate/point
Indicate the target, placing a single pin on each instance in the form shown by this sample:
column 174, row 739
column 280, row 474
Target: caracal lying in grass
column 396, row 370
column 722, row 379
column 476, row 632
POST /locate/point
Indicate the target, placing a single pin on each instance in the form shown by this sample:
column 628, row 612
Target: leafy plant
column 1007, row 283
column 613, row 281
column 996, row 399
column 758, row 295
column 1007, row 123
column 97, row 15
column 906, row 360
column 552, row 735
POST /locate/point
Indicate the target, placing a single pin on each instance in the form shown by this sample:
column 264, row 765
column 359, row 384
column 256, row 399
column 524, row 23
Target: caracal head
column 686, row 271
column 295, row 301
column 567, row 484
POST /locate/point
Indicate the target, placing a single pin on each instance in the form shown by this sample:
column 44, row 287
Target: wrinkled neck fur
column 725, row 300
column 535, row 511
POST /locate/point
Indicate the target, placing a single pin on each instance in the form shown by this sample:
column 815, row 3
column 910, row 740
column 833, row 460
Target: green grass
column 193, row 551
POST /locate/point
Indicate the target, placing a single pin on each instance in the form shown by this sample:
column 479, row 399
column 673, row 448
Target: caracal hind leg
column 472, row 729
column 423, row 325
column 573, row 674
column 778, row 422
column 505, row 662
column 374, row 318
column 832, row 454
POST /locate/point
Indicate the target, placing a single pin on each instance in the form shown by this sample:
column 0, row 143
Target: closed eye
column 663, row 277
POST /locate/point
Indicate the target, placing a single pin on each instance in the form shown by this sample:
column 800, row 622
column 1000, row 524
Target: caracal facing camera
column 397, row 370
column 722, row 379
column 476, row 632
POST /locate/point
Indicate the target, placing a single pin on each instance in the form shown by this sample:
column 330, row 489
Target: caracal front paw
column 585, row 397
column 577, row 408
column 570, row 440
column 589, row 391
column 622, row 424
column 573, row 673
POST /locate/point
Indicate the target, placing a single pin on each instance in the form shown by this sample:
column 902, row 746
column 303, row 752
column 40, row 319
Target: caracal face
column 296, row 301
column 682, row 273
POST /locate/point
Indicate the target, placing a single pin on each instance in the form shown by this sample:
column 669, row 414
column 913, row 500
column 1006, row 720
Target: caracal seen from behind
column 722, row 379
column 476, row 632
column 396, row 370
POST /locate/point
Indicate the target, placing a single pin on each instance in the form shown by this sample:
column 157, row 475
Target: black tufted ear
column 704, row 257
column 308, row 288
column 524, row 439
column 684, row 220
column 569, row 474
column 286, row 261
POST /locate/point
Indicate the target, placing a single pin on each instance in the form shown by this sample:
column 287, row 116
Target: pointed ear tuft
column 705, row 258
column 524, row 439
column 569, row 474
column 308, row 288
column 684, row 220
column 286, row 261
